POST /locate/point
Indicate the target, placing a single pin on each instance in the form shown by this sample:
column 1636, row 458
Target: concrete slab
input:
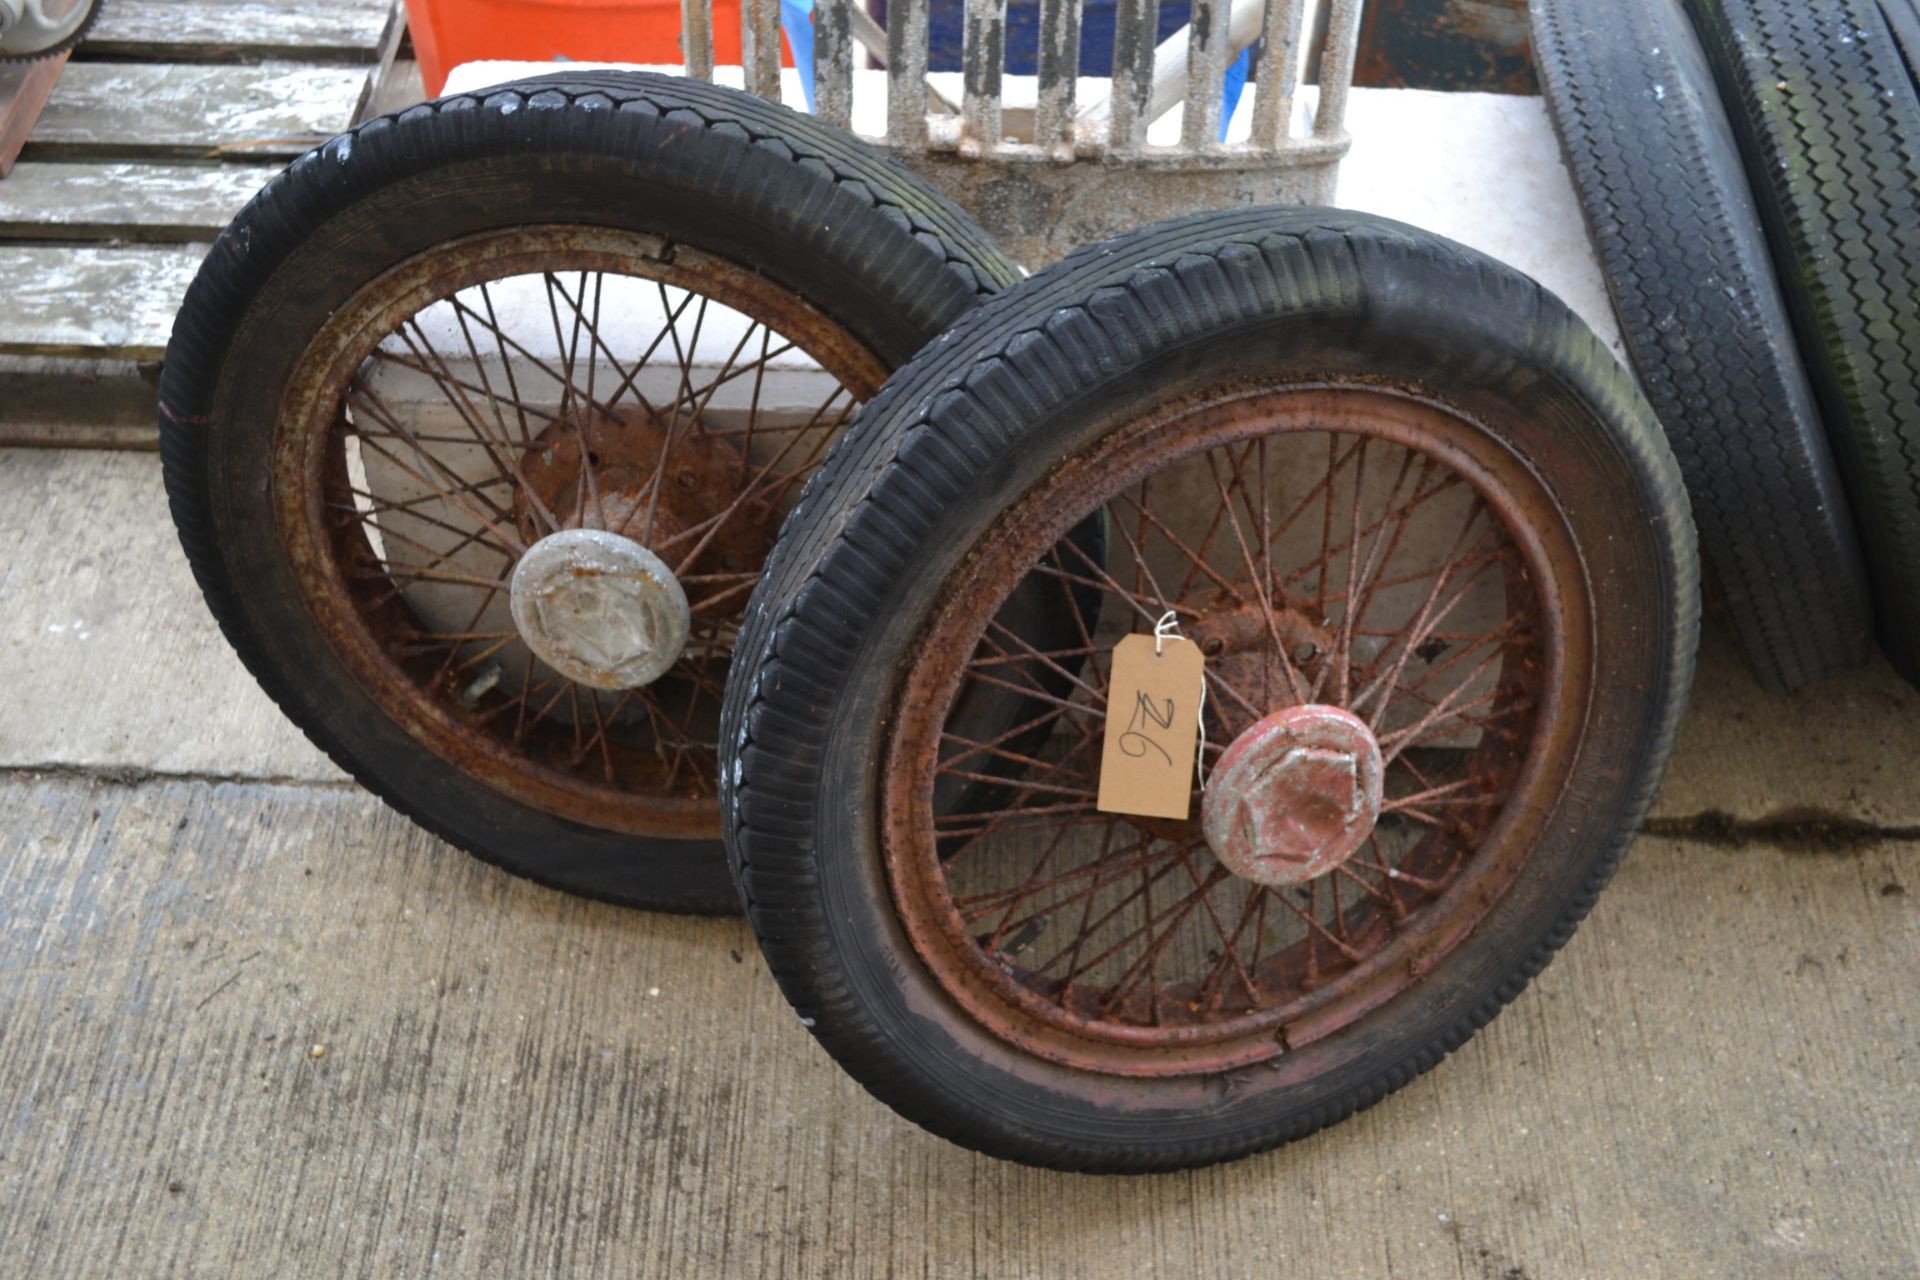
column 1716, row 1078
column 1842, row 752
column 111, row 659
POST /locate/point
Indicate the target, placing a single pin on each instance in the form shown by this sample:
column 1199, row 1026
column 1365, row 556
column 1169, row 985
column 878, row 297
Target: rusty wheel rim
column 1122, row 945
column 510, row 385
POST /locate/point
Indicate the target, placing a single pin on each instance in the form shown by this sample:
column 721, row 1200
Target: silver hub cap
column 600, row 609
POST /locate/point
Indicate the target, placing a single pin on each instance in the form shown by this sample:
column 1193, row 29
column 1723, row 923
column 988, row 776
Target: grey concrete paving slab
column 1845, row 751
column 273, row 1029
column 111, row 659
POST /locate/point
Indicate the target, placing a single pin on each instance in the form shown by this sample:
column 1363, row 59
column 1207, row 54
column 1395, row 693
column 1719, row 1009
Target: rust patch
column 595, row 469
column 1459, row 45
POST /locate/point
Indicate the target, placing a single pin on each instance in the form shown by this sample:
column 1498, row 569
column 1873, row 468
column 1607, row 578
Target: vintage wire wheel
column 479, row 421
column 1437, row 556
column 1334, row 547
column 405, row 518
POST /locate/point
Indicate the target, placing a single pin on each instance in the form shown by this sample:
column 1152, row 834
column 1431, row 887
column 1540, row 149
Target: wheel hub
column 600, row 608
column 1294, row 796
column 595, row 469
column 595, row 599
column 1251, row 647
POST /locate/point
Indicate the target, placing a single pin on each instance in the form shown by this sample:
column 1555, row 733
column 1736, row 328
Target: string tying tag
column 1169, row 625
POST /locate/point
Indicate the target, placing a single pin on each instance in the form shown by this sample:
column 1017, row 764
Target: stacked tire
column 1824, row 102
column 1749, row 170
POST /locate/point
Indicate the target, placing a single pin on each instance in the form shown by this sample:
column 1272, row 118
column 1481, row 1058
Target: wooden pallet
column 168, row 117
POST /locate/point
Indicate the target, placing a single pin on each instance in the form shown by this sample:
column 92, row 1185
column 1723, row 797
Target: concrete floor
column 253, row 1023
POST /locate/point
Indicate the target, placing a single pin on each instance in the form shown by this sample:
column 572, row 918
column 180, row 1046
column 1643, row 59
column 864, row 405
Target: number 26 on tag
column 1153, row 724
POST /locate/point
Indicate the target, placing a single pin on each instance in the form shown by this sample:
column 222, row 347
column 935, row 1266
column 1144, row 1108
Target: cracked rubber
column 866, row 242
column 982, row 415
column 1826, row 110
column 1668, row 206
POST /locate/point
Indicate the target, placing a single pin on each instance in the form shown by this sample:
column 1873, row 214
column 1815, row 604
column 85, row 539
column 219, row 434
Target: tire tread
column 1667, row 204
column 1828, row 118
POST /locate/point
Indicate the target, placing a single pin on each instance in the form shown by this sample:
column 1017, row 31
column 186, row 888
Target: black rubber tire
column 1668, row 206
column 875, row 248
column 1267, row 296
column 1828, row 118
column 1903, row 16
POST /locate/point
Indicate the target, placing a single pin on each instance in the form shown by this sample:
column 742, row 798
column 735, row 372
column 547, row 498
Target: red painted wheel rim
column 1122, row 945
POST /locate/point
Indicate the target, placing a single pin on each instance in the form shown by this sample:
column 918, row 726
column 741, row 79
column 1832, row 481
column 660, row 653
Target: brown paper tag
column 1153, row 726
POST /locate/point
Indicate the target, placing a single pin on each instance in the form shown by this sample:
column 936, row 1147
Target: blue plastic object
column 1234, row 83
column 796, row 20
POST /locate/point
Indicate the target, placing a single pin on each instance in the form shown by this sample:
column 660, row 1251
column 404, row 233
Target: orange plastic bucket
column 447, row 33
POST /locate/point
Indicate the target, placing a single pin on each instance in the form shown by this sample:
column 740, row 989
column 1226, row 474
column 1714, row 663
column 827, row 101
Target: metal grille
column 1077, row 164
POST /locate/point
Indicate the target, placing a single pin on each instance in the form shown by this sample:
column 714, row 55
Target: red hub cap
column 1294, row 796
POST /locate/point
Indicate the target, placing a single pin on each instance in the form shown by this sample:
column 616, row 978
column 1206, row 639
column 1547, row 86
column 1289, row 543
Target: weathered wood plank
column 391, row 77
column 149, row 202
column 24, row 90
column 398, row 87
column 61, row 400
column 272, row 110
column 143, row 438
column 239, row 31
column 117, row 302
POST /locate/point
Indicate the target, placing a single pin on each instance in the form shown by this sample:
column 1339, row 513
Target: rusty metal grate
column 1077, row 162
